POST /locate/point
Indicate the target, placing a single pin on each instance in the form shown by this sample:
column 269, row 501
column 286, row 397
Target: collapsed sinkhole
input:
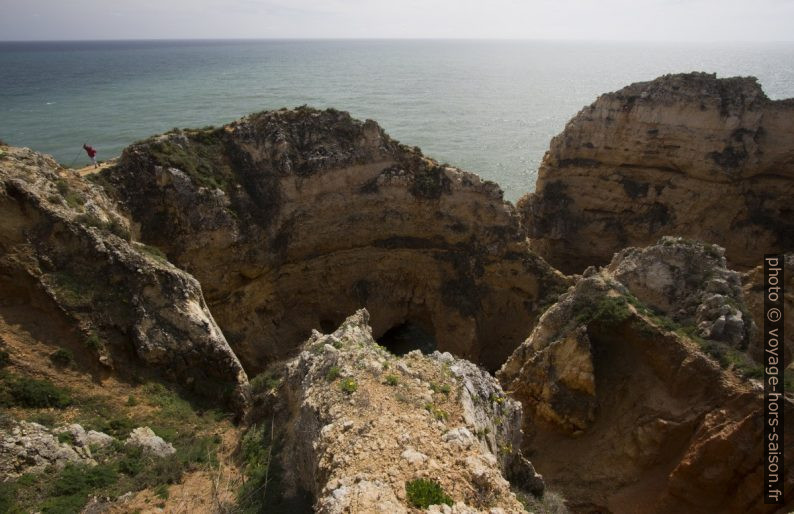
column 406, row 337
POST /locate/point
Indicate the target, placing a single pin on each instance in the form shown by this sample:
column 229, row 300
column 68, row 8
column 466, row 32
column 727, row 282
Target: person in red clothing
column 91, row 153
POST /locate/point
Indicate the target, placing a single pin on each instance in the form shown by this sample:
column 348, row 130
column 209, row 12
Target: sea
column 490, row 107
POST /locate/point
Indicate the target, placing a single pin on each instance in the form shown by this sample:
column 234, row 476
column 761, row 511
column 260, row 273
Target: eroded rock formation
column 652, row 421
column 291, row 219
column 689, row 282
column 67, row 268
column 363, row 423
column 686, row 155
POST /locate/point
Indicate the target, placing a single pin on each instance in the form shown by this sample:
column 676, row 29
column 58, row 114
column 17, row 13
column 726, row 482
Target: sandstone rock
column 687, row 155
column 292, row 219
column 652, row 423
column 67, row 253
column 365, row 468
column 688, row 281
column 31, row 448
column 151, row 443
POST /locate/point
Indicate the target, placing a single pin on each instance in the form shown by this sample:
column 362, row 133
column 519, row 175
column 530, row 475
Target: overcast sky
column 665, row 20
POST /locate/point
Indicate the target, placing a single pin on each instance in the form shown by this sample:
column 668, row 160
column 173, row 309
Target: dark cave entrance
column 408, row 336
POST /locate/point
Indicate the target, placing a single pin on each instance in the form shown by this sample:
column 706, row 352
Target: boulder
column 31, row 448
column 151, row 443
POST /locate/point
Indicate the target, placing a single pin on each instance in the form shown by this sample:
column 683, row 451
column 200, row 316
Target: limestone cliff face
column 291, row 219
column 364, row 423
column 69, row 271
column 687, row 155
column 653, row 421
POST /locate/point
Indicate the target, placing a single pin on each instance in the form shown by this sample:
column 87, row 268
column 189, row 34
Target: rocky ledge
column 365, row 425
column 686, row 155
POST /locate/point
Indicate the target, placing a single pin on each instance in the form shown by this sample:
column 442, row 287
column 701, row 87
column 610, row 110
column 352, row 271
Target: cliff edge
column 686, row 155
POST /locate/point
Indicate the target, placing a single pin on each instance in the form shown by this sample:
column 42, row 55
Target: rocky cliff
column 70, row 274
column 632, row 387
column 292, row 219
column 365, row 425
column 657, row 418
column 687, row 155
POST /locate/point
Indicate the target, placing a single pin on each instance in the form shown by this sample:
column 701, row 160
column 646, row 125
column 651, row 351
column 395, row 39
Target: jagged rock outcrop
column 686, row 155
column 31, row 448
column 149, row 442
column 626, row 415
column 291, row 219
column 68, row 268
column 364, row 422
column 689, row 282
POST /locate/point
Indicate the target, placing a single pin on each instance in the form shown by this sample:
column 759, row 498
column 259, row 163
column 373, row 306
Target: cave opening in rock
column 408, row 336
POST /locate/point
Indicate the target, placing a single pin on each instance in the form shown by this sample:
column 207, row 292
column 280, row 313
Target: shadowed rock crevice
column 406, row 337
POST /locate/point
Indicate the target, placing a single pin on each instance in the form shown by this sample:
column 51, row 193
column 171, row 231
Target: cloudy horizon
column 609, row 20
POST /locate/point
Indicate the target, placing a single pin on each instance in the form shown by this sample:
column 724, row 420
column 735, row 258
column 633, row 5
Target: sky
column 613, row 20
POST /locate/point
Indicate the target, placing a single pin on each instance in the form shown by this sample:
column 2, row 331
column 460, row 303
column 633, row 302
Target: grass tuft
column 422, row 493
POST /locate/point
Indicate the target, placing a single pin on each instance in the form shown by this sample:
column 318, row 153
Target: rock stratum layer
column 292, row 219
column 687, row 155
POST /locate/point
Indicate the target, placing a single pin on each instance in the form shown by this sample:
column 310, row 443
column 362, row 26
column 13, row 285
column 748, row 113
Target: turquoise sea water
column 487, row 106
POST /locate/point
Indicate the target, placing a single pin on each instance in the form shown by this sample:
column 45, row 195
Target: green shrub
column 266, row 381
column 171, row 404
column 348, row 385
column 422, row 493
column 118, row 427
column 133, row 461
column 8, row 494
column 27, row 392
column 62, row 357
column 263, row 490
column 392, row 380
column 66, row 437
column 94, row 343
column 5, row 359
column 443, row 388
column 161, row 491
column 332, row 373
column 79, row 478
column 611, row 310
column 75, row 482
column 439, row 414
